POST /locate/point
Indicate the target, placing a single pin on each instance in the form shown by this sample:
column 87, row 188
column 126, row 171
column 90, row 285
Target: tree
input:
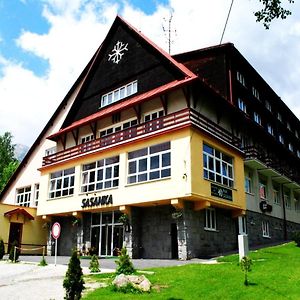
column 8, row 162
column 272, row 9
column 246, row 263
column 124, row 263
column 73, row 282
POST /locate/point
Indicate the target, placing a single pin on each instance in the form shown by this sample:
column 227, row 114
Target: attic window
column 119, row 94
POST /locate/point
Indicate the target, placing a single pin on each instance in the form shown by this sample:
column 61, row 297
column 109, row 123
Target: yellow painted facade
column 186, row 182
column 33, row 232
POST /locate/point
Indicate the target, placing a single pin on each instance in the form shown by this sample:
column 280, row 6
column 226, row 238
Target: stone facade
column 276, row 229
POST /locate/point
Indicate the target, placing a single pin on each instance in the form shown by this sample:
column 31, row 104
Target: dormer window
column 291, row 147
column 268, row 106
column 281, row 140
column 242, row 105
column 257, row 118
column 279, row 117
column 240, row 78
column 288, row 125
column 255, row 92
column 119, row 94
column 270, row 129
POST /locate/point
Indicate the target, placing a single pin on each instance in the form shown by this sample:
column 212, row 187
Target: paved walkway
column 27, row 281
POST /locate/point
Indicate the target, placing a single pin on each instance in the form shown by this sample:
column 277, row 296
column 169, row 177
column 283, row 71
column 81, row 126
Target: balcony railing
column 271, row 160
column 181, row 118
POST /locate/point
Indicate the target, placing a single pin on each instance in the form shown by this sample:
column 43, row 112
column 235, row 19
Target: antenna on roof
column 226, row 21
column 168, row 31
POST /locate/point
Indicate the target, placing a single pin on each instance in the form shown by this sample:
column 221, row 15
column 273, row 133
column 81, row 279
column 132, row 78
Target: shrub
column 127, row 289
column 2, row 248
column 43, row 262
column 12, row 256
column 73, row 282
column 296, row 238
column 245, row 264
column 94, row 264
column 124, row 263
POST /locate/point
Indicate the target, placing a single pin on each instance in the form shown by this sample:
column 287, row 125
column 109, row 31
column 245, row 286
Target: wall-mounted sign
column 96, row 201
column 221, row 192
column 265, row 207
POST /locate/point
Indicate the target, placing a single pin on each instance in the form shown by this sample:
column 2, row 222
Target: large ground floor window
column 106, row 233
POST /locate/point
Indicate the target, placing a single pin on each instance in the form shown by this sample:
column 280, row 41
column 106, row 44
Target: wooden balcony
column 185, row 117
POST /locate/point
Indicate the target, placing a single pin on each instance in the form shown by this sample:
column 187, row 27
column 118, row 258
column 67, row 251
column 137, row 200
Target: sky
column 45, row 45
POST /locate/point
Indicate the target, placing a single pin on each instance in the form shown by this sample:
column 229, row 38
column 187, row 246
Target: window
column 276, row 196
column 242, row 225
column 36, row 193
column 291, row 148
column 298, row 153
column 270, row 129
column 262, row 190
column 280, row 138
column 268, row 106
column 102, row 174
column 87, row 138
column 287, row 200
column 151, row 117
column 242, row 105
column 240, row 78
column 149, row 163
column 50, row 151
column 297, row 204
column 23, row 196
column 248, row 185
column 288, row 125
column 255, row 92
column 218, row 166
column 296, row 134
column 279, row 117
column 119, row 127
column 210, row 219
column 265, row 229
column 118, row 94
column 62, row 183
column 257, row 118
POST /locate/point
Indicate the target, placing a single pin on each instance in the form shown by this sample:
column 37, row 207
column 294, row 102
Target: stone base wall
column 276, row 229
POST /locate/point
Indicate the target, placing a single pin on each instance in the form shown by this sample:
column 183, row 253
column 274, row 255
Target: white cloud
column 78, row 27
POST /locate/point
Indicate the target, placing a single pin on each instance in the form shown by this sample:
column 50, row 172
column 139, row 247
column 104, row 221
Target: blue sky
column 45, row 44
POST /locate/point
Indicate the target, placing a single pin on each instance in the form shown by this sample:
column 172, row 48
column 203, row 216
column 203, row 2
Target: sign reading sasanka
column 96, row 201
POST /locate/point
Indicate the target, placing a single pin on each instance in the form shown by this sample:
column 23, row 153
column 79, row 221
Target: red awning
column 19, row 211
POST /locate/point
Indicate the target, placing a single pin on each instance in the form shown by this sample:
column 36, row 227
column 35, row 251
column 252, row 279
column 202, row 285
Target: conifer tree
column 2, row 248
column 124, row 263
column 73, row 282
column 94, row 264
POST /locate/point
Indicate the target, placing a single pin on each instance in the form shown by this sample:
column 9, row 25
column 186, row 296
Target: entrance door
column 106, row 246
column 118, row 239
column 15, row 234
column 95, row 238
column 174, row 241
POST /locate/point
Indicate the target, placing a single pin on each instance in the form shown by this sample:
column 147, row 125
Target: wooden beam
column 199, row 205
column 94, row 128
column 164, row 102
column 237, row 213
column 138, row 112
column 187, row 95
column 75, row 134
column 178, row 204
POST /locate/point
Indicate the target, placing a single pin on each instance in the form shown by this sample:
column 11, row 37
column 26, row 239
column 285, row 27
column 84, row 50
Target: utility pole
column 168, row 31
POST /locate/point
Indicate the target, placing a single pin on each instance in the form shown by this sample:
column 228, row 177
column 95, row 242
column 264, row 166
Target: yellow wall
column 186, row 182
column 33, row 235
column 201, row 188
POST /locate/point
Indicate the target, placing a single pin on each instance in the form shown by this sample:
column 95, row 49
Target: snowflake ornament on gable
column 117, row 52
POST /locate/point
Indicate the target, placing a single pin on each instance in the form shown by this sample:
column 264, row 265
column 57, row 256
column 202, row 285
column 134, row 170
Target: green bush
column 296, row 238
column 94, row 264
column 43, row 262
column 127, row 289
column 245, row 264
column 12, row 256
column 2, row 248
column 73, row 282
column 124, row 263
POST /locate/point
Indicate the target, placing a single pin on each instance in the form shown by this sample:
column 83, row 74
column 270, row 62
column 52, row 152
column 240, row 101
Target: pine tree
column 124, row 263
column 94, row 264
column 73, row 282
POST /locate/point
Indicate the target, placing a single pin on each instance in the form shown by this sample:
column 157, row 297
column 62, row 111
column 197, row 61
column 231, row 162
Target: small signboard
column 55, row 230
column 221, row 192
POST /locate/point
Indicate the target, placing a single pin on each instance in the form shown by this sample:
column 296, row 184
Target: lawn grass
column 275, row 275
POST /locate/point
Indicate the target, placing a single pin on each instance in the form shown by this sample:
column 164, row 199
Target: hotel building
column 171, row 156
